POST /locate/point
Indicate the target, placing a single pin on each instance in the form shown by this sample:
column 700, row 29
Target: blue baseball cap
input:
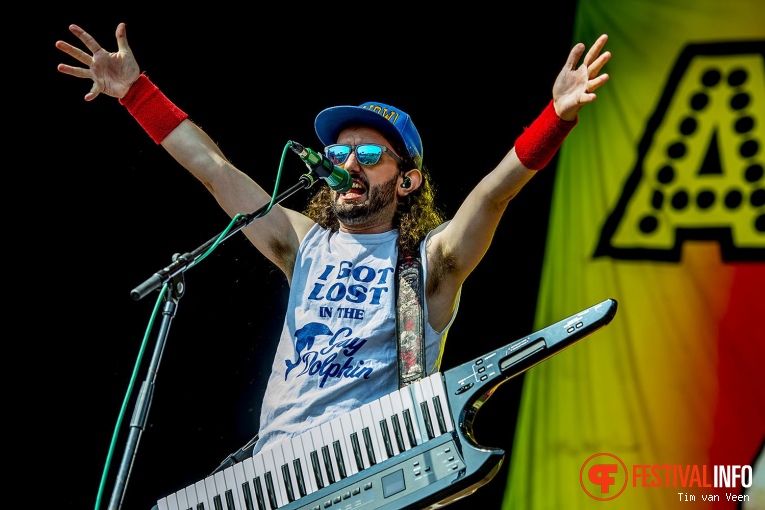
column 392, row 122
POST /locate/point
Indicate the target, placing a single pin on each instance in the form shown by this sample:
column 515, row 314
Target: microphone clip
column 337, row 178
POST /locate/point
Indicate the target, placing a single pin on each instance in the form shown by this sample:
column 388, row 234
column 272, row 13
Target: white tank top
column 337, row 350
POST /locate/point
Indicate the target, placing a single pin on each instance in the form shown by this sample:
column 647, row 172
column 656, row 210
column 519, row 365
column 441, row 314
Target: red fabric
column 739, row 419
column 541, row 140
column 156, row 114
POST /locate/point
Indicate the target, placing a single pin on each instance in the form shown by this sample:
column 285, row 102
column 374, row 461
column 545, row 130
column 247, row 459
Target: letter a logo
column 699, row 166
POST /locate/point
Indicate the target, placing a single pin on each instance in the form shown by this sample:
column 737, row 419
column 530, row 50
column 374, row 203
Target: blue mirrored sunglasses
column 367, row 154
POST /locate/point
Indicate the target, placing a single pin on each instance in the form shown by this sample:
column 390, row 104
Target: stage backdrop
column 659, row 203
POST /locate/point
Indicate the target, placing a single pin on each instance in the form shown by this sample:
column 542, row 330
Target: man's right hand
column 112, row 73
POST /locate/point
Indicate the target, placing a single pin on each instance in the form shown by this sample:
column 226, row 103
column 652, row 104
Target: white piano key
column 227, row 478
column 307, row 442
column 351, row 465
column 222, row 484
column 289, row 459
column 239, row 480
column 270, row 474
column 318, row 442
column 398, row 411
column 338, row 434
column 183, row 502
column 415, row 389
column 382, row 429
column 387, row 408
column 371, row 426
column 172, row 502
column 358, row 427
column 410, row 409
column 191, row 496
column 251, row 474
column 299, row 469
column 278, row 474
column 328, row 450
column 260, row 473
column 162, row 504
column 427, row 395
column 437, row 382
column 212, row 491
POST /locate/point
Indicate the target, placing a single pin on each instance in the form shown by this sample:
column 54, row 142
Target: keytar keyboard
column 404, row 450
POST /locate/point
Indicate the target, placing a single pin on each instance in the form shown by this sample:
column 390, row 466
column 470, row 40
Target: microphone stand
column 174, row 272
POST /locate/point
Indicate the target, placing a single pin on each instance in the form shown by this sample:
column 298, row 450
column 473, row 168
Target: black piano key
column 409, row 427
column 200, row 506
column 299, row 478
column 259, row 493
column 397, row 433
column 230, row 500
column 357, row 451
column 428, row 421
column 271, row 490
column 328, row 464
column 368, row 445
column 317, row 470
column 236, row 478
column 303, row 446
column 248, row 503
column 440, row 392
column 288, row 482
column 350, row 455
column 386, row 438
column 439, row 415
column 222, row 485
column 339, row 459
column 389, row 413
column 328, row 439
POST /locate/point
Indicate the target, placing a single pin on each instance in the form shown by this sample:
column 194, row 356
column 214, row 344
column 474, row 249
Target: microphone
column 337, row 178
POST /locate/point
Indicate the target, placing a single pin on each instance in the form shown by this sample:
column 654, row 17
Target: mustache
column 361, row 179
column 356, row 178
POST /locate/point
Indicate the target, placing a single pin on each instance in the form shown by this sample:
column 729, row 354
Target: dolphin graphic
column 304, row 338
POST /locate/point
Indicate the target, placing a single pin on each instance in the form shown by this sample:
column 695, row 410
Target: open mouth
column 357, row 190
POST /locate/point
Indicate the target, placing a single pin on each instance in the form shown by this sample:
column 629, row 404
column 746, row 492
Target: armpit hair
column 440, row 266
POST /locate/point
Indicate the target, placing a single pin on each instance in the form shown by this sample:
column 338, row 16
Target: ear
column 413, row 178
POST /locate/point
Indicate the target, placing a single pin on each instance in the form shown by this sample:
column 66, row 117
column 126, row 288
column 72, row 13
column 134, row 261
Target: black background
column 102, row 208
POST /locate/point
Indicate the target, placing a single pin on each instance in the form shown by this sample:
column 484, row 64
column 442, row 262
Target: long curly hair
column 416, row 215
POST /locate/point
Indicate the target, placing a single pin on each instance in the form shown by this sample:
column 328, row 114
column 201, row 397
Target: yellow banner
column 659, row 203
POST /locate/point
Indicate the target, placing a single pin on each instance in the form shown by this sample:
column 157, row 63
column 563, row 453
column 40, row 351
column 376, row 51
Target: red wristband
column 541, row 140
column 156, row 114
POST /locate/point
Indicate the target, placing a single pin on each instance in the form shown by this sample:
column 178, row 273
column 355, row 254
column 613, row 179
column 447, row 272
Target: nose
column 352, row 163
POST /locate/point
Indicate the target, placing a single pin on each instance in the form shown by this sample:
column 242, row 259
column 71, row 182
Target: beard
column 379, row 197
